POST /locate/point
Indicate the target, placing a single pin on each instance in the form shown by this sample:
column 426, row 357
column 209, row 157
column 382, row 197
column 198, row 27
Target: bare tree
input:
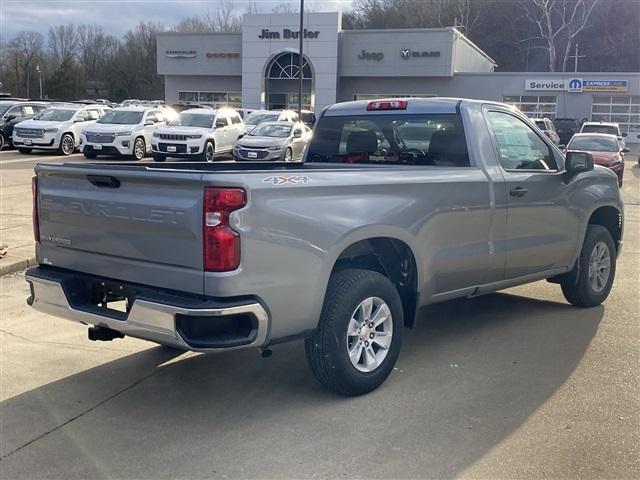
column 193, row 25
column 225, row 18
column 24, row 51
column 559, row 22
column 470, row 13
column 63, row 41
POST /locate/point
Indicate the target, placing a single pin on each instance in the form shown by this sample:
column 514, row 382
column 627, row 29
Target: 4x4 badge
column 295, row 180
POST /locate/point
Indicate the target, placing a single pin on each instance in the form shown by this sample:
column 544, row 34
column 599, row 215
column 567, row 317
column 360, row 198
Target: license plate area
column 171, row 148
column 252, row 154
column 28, row 141
column 97, row 147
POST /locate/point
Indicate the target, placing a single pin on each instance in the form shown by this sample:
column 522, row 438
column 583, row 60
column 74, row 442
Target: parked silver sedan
column 273, row 141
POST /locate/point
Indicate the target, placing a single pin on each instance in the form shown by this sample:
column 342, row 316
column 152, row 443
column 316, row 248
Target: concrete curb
column 12, row 265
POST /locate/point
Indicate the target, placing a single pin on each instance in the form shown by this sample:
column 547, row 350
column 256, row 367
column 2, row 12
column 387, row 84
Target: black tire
column 326, row 350
column 577, row 288
column 24, row 150
column 2, row 141
column 90, row 155
column 158, row 157
column 139, row 156
column 288, row 153
column 63, row 149
column 210, row 155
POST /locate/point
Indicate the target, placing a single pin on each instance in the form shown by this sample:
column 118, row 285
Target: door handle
column 518, row 192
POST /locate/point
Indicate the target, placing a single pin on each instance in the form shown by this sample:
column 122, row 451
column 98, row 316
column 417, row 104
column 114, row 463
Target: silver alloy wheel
column 209, row 153
column 68, row 145
column 138, row 149
column 599, row 267
column 369, row 334
column 288, row 155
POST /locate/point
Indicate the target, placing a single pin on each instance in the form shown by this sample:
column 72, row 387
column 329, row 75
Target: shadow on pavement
column 470, row 374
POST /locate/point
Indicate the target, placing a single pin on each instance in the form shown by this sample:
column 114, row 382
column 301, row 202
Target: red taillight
column 387, row 105
column 34, row 210
column 221, row 251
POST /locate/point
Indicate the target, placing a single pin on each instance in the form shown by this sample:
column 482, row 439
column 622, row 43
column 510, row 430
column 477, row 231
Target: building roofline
column 182, row 34
column 464, row 38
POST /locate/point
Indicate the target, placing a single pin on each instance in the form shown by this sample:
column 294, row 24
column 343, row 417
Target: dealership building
column 259, row 68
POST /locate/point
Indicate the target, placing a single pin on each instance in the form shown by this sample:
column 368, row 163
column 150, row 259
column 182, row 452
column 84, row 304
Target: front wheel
column 209, row 152
column 2, row 141
column 359, row 333
column 24, row 150
column 288, row 155
column 139, row 149
column 596, row 269
column 67, row 144
column 159, row 157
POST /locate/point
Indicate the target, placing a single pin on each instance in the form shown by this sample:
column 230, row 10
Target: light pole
column 301, row 61
column 39, row 78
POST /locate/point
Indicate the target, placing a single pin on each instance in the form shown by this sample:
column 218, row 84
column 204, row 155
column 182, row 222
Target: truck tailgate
column 123, row 223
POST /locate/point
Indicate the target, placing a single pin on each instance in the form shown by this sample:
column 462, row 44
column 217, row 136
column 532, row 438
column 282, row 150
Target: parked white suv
column 200, row 133
column 56, row 128
column 605, row 127
column 123, row 132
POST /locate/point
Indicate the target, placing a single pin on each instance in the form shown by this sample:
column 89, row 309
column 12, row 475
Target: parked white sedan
column 268, row 141
column 199, row 133
column 56, row 128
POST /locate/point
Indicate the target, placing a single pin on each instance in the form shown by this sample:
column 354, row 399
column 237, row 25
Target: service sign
column 605, row 85
column 545, row 84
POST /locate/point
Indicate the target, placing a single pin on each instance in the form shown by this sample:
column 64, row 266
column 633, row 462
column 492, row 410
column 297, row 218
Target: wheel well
column 391, row 258
column 609, row 218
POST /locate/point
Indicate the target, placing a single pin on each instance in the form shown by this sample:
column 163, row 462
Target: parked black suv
column 566, row 127
column 13, row 112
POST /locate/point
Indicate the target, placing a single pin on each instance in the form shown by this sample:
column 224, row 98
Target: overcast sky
column 118, row 16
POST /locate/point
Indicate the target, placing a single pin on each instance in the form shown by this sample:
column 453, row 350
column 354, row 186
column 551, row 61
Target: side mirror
column 624, row 134
column 149, row 123
column 297, row 134
column 625, row 150
column 8, row 118
column 221, row 124
column 241, row 135
column 577, row 162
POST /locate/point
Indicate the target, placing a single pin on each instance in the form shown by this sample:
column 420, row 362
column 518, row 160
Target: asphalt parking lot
column 517, row 384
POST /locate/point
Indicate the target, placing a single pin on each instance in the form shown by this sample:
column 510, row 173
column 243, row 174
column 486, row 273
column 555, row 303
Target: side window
column 94, row 114
column 151, row 117
column 221, row 121
column 159, row 117
column 82, row 116
column 27, row 110
column 15, row 111
column 520, row 147
column 235, row 119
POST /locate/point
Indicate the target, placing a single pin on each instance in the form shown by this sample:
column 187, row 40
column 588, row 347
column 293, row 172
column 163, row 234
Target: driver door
column 542, row 225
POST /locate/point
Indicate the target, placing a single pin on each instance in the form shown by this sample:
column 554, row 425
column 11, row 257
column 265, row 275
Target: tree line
column 79, row 61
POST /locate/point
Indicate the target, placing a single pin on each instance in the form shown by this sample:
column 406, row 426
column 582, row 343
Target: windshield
column 256, row 118
column 600, row 129
column 596, row 144
column 193, row 120
column 121, row 117
column 4, row 107
column 271, row 130
column 55, row 115
column 565, row 123
column 429, row 139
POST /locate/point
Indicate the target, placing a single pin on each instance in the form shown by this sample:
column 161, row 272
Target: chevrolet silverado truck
column 399, row 203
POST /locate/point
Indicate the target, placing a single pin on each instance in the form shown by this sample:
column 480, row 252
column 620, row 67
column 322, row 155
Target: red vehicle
column 605, row 149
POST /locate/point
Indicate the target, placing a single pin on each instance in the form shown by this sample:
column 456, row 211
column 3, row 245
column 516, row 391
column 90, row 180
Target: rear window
column 413, row 139
column 600, row 129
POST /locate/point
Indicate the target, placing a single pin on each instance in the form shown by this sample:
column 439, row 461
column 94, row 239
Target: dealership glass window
column 621, row 109
column 215, row 99
column 534, row 106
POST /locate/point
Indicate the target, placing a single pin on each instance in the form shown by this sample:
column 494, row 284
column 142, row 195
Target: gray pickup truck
column 399, row 204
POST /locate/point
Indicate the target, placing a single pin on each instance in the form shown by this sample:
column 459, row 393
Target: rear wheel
column 359, row 333
column 158, row 157
column 596, row 269
column 139, row 149
column 67, row 144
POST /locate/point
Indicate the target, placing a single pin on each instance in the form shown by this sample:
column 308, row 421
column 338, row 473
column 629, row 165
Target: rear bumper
column 183, row 322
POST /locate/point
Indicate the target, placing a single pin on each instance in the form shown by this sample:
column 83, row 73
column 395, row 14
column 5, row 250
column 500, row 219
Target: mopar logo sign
column 574, row 85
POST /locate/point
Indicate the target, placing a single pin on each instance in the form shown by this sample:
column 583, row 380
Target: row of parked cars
column 603, row 140
column 135, row 130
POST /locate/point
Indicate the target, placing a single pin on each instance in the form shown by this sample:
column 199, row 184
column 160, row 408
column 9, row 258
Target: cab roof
column 414, row 105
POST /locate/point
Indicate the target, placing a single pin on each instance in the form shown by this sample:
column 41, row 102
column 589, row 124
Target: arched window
column 287, row 66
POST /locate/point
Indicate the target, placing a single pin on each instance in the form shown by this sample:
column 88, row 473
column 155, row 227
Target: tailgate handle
column 104, row 181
